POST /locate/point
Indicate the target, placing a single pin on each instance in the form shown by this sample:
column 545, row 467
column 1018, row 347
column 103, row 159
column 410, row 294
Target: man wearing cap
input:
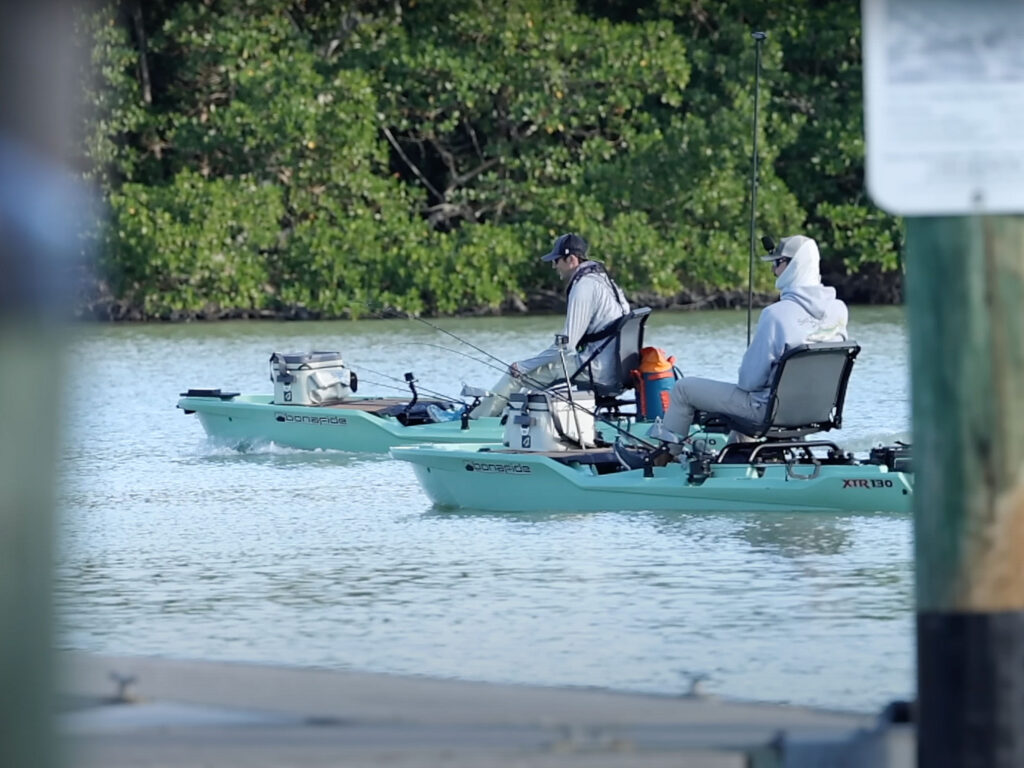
column 806, row 311
column 594, row 302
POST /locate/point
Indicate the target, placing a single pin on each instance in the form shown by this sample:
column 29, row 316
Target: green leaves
column 194, row 246
column 335, row 157
column 500, row 101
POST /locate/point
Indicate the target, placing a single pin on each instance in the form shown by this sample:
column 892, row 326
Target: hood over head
column 804, row 266
column 800, row 281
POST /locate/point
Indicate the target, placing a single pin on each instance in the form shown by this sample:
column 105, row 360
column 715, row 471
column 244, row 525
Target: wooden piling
column 965, row 298
column 41, row 208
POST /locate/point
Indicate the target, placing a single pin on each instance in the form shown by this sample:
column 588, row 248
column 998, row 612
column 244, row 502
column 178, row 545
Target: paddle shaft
column 759, row 38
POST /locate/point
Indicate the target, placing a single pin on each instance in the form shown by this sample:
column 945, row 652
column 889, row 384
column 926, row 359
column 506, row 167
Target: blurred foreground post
column 965, row 298
column 40, row 208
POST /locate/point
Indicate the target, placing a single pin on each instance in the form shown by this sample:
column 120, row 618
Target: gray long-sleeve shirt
column 593, row 303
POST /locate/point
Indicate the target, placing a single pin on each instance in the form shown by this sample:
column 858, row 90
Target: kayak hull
column 468, row 477
column 245, row 420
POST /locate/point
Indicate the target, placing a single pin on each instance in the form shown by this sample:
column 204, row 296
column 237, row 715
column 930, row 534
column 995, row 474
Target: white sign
column 944, row 105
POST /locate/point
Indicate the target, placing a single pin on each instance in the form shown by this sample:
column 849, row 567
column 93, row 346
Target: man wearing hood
column 594, row 303
column 806, row 311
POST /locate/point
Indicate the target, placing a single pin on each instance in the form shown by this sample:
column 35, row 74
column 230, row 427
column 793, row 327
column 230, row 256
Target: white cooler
column 544, row 420
column 310, row 378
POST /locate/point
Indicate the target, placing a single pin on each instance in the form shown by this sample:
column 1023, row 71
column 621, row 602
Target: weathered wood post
column 29, row 376
column 39, row 205
column 944, row 148
column 965, row 298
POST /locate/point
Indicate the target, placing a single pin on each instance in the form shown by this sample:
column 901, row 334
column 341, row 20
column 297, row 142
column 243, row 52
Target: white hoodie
column 807, row 311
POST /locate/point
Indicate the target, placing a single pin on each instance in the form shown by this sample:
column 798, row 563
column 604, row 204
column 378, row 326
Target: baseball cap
column 566, row 245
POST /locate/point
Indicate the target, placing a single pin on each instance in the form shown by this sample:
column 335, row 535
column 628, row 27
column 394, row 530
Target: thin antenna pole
column 759, row 38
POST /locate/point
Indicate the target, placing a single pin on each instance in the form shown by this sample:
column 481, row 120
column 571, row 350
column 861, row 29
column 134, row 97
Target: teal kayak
column 501, row 480
column 315, row 406
column 366, row 424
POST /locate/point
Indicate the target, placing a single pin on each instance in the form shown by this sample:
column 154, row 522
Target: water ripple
column 171, row 545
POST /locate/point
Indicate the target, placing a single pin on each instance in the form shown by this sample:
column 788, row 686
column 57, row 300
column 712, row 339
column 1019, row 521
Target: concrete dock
column 121, row 712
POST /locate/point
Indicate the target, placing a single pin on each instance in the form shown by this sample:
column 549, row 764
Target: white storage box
column 546, row 421
column 310, row 378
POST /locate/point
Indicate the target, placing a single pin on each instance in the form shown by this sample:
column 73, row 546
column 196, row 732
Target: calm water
column 172, row 546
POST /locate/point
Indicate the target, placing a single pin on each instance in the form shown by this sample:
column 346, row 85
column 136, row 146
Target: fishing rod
column 503, row 366
column 432, row 393
column 503, row 369
column 534, row 383
column 527, row 379
column 445, row 331
column 759, row 38
column 567, row 398
column 469, row 344
column 562, row 341
column 385, row 310
column 383, row 384
column 439, row 395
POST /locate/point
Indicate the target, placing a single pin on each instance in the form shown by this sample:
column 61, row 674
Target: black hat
column 567, row 245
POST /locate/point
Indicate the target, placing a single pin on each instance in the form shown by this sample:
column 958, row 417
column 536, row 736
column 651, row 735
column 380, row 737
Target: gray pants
column 539, row 378
column 690, row 394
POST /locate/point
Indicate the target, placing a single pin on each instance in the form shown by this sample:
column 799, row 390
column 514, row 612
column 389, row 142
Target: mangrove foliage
column 319, row 158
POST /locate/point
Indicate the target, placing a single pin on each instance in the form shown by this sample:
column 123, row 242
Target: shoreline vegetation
column 543, row 303
column 310, row 160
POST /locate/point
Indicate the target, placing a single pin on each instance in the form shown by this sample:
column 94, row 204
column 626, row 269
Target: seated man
column 807, row 311
column 594, row 303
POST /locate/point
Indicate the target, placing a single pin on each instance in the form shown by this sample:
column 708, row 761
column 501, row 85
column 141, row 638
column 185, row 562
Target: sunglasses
column 780, row 260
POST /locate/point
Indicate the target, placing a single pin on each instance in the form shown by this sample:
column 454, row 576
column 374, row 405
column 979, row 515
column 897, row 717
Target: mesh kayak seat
column 626, row 337
column 807, row 393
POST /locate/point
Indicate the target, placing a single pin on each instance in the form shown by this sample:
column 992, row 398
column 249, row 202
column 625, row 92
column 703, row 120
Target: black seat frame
column 627, row 337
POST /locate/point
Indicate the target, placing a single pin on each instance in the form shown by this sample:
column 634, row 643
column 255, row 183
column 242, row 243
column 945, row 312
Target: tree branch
column 140, row 35
column 412, row 166
column 472, row 137
column 445, row 212
column 458, row 181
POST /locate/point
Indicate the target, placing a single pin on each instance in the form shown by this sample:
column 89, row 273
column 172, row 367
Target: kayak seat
column 626, row 336
column 807, row 393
